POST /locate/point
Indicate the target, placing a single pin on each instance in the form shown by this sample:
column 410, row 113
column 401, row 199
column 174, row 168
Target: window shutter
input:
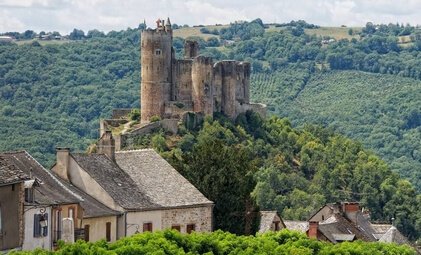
column 37, row 226
column 147, row 226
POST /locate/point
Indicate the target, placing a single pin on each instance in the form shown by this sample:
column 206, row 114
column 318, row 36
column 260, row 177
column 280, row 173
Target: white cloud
column 64, row 15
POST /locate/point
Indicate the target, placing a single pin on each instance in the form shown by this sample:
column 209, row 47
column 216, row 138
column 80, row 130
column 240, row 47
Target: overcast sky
column 107, row 15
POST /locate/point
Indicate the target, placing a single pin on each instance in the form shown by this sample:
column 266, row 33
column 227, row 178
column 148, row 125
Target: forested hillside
column 268, row 163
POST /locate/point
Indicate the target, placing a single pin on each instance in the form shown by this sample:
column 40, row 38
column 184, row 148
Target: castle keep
column 171, row 87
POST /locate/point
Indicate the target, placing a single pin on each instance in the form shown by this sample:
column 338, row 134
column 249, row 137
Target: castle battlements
column 171, row 87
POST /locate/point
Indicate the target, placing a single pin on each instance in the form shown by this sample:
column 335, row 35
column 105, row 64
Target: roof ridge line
column 134, row 150
column 54, row 178
column 12, row 152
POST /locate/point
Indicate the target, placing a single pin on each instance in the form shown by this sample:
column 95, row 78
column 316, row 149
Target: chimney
column 351, row 209
column 313, row 227
column 106, row 145
column 62, row 166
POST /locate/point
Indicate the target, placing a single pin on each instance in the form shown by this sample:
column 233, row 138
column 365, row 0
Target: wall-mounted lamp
column 43, row 220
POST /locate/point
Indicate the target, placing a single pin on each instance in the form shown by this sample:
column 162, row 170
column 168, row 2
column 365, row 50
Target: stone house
column 49, row 201
column 346, row 221
column 140, row 184
column 12, row 181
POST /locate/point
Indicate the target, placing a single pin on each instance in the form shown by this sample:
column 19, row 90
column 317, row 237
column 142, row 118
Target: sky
column 106, row 15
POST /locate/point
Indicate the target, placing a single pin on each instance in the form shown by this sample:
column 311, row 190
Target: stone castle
column 171, row 87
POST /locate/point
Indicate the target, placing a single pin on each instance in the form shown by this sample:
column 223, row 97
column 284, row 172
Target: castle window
column 157, row 52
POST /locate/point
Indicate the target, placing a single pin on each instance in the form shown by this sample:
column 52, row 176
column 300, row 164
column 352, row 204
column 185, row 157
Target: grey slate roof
column 156, row 178
column 337, row 225
column 114, row 181
column 301, row 226
column 50, row 191
column 381, row 228
column 393, row 236
column 9, row 173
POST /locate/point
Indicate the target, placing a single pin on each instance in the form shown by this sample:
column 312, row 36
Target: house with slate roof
column 347, row 222
column 49, row 200
column 12, row 181
column 46, row 202
column 148, row 192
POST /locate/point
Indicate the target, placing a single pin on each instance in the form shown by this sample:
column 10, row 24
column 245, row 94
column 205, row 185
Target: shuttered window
column 190, row 228
column 38, row 230
column 176, row 227
column 147, row 226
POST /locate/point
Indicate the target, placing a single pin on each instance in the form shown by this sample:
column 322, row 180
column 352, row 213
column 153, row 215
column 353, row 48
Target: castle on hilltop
column 171, row 87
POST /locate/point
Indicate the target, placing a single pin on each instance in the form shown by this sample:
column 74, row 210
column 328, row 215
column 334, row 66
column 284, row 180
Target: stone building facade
column 171, row 87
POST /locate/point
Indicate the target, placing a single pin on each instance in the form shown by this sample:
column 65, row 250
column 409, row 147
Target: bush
column 173, row 242
column 155, row 118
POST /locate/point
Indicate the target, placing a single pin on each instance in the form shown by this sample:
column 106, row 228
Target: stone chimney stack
column 351, row 209
column 106, row 145
column 313, row 227
column 62, row 166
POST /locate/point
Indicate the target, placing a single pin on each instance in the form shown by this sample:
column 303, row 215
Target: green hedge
column 219, row 242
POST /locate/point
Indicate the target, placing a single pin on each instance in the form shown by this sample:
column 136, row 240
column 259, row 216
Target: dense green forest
column 219, row 243
column 267, row 163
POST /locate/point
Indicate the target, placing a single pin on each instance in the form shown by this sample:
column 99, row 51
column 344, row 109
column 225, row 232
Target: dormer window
column 157, row 52
column 29, row 190
column 29, row 195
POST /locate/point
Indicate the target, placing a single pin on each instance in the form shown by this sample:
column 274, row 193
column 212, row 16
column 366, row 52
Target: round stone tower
column 156, row 65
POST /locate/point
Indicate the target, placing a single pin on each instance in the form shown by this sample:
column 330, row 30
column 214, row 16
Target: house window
column 108, row 231
column 157, row 52
column 29, row 195
column 323, row 217
column 190, row 228
column 40, row 225
column 147, row 226
column 277, row 226
column 176, row 227
column 86, row 228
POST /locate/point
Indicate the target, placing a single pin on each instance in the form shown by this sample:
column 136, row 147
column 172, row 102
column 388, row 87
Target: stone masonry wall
column 200, row 216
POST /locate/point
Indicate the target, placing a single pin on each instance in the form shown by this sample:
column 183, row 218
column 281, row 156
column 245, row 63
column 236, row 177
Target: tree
column 222, row 170
column 76, row 34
